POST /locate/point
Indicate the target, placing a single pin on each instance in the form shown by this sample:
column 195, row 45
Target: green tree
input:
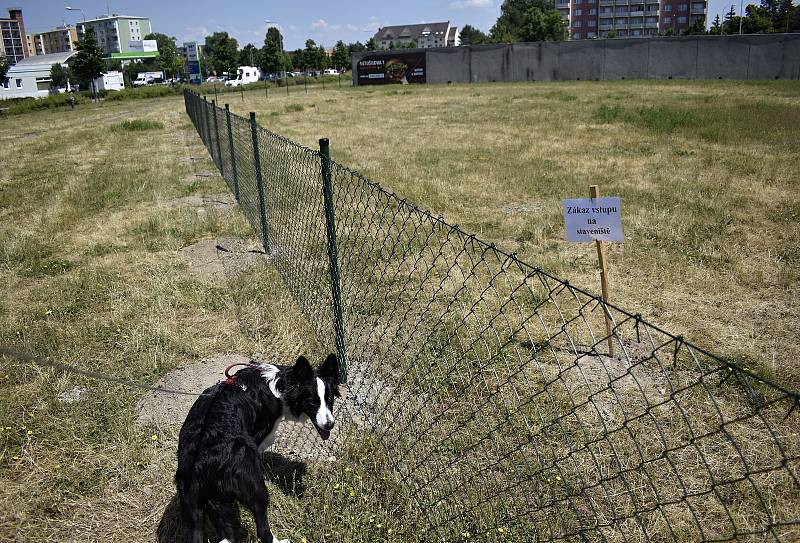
column 273, row 59
column 59, row 75
column 168, row 59
column 716, row 26
column 341, row 56
column 528, row 20
column 611, row 34
column 314, row 56
column 4, row 66
column 730, row 24
column 697, row 28
column 543, row 25
column 786, row 13
column 221, row 53
column 472, row 36
column 356, row 47
column 87, row 64
column 757, row 20
column 371, row 45
column 249, row 55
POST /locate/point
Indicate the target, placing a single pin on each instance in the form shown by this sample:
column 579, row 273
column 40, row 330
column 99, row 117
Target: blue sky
column 324, row 21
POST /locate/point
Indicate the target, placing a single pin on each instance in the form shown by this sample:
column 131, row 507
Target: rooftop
column 404, row 32
column 54, row 58
column 112, row 16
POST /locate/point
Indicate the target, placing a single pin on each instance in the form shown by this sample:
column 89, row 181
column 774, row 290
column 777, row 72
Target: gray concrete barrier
column 760, row 56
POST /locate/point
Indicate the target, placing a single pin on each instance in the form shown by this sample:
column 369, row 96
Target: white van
column 110, row 81
column 244, row 75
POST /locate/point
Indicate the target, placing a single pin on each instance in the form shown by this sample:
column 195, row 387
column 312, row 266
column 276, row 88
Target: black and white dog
column 227, row 429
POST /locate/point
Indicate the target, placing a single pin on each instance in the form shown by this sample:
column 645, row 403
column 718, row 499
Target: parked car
column 331, row 71
column 213, row 79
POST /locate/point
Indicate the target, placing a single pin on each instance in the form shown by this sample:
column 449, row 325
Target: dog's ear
column 330, row 368
column 302, row 369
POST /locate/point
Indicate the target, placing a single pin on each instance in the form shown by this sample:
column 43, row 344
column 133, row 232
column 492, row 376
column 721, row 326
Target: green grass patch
column 608, row 114
column 294, row 107
column 663, row 120
column 139, row 125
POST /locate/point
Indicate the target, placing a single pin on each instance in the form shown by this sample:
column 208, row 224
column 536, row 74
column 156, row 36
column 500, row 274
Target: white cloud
column 351, row 28
column 321, row 23
column 474, row 4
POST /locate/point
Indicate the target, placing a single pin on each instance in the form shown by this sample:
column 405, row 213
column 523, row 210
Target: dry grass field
column 95, row 213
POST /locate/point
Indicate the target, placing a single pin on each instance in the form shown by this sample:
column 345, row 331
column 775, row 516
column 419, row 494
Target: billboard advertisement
column 143, row 46
column 392, row 67
column 193, row 58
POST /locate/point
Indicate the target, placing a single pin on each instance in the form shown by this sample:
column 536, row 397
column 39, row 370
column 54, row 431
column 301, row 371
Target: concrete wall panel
column 761, row 57
column 448, row 65
column 626, row 59
column 672, row 58
column 489, row 63
column 790, row 60
column 526, row 63
column 723, row 58
column 581, row 60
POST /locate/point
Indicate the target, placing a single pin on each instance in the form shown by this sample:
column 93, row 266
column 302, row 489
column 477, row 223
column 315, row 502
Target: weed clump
column 608, row 114
column 138, row 125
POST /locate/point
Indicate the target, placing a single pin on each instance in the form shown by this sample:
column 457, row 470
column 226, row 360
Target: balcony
column 698, row 11
column 606, row 15
column 606, row 27
column 606, row 2
column 651, row 25
column 636, row 13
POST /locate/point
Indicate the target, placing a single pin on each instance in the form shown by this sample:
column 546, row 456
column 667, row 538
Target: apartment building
column 422, row 35
column 115, row 32
column 13, row 40
column 58, row 40
column 29, row 39
column 590, row 19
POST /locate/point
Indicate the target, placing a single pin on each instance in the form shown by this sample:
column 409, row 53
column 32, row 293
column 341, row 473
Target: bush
column 51, row 102
column 153, row 91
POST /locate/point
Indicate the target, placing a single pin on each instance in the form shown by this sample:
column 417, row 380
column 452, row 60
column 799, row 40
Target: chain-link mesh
column 489, row 386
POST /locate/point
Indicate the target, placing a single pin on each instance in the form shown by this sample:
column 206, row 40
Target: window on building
column 577, row 12
column 608, row 10
column 593, row 11
column 576, row 36
column 592, row 24
column 667, row 20
column 591, row 34
column 576, row 24
column 667, row 7
column 699, row 7
column 681, row 20
column 5, row 84
column 683, row 7
column 636, row 32
column 19, row 83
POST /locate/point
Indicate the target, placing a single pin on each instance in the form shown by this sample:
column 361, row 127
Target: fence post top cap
column 324, row 141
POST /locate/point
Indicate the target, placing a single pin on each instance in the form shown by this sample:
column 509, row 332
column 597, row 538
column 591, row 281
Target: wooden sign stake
column 594, row 192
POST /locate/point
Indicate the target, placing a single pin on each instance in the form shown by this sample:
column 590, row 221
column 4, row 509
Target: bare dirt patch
column 200, row 176
column 202, row 202
column 221, row 258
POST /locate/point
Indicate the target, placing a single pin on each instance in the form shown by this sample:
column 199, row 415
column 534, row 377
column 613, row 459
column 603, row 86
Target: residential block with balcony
column 115, row 32
column 590, row 19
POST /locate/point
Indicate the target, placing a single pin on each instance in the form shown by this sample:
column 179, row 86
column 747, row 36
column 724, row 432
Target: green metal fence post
column 259, row 182
column 219, row 148
column 207, row 124
column 233, row 154
column 333, row 259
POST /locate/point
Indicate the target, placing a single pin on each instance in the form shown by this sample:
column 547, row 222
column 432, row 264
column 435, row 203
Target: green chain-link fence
column 487, row 382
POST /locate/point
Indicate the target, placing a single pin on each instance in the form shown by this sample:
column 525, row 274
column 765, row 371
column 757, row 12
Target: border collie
column 227, row 429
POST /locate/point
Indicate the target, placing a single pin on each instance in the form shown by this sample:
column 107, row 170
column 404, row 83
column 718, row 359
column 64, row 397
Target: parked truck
column 244, row 75
column 148, row 78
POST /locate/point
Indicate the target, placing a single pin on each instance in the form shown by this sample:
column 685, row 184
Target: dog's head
column 312, row 393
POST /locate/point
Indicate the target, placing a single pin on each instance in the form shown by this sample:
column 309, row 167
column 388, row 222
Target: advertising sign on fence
column 593, row 219
column 392, row 68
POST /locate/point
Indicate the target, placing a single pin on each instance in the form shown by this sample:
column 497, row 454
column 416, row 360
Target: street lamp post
column 741, row 15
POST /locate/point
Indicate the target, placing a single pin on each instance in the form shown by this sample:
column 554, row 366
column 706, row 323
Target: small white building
column 30, row 78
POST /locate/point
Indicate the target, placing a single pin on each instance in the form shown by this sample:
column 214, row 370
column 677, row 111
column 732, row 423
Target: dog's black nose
column 329, row 426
